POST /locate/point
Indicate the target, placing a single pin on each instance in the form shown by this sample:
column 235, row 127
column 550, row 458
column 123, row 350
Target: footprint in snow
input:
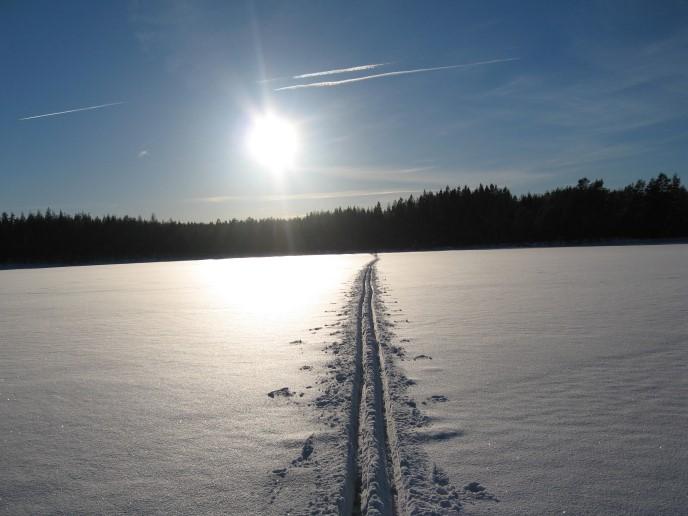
column 306, row 451
column 477, row 491
column 284, row 392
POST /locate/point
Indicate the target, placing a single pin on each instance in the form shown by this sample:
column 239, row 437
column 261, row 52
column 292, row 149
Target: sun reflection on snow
column 273, row 288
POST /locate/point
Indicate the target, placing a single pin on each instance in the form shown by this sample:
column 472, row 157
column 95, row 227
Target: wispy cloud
column 73, row 110
column 327, row 84
column 301, row 196
column 143, row 153
column 437, row 177
column 340, row 70
column 372, row 173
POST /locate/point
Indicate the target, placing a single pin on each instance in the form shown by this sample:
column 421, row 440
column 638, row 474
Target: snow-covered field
column 538, row 381
column 565, row 373
column 143, row 388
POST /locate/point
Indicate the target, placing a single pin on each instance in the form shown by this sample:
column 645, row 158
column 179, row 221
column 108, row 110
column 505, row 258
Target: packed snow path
column 367, row 456
column 371, row 485
column 376, row 483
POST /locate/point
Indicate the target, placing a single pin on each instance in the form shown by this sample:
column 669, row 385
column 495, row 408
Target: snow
column 532, row 381
column 565, row 373
column 144, row 388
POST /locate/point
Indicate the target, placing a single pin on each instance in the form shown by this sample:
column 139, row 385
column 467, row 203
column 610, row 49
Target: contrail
column 340, row 70
column 326, row 84
column 326, row 72
column 73, row 110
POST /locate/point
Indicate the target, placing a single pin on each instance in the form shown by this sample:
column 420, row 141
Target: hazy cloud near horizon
column 300, row 196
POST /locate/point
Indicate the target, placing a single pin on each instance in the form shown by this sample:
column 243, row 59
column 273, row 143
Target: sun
column 273, row 142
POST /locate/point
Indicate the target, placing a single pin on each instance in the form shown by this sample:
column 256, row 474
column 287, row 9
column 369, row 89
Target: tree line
column 453, row 217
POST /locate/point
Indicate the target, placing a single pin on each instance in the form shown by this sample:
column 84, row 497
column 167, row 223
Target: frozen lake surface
column 143, row 388
column 565, row 372
column 531, row 381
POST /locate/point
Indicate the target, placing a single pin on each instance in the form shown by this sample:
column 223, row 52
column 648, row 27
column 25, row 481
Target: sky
column 529, row 95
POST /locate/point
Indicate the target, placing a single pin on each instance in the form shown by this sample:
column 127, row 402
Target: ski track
column 368, row 458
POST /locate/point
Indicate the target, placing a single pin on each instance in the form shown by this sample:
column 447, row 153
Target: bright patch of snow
column 143, row 388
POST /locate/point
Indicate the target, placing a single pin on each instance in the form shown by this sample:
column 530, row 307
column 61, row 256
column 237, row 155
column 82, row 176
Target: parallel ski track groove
column 373, row 484
column 351, row 499
column 391, row 439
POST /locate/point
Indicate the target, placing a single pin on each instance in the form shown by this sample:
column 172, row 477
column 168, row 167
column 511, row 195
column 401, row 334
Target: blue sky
column 596, row 89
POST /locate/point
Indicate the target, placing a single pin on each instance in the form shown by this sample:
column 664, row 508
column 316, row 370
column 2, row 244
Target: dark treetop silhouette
column 487, row 215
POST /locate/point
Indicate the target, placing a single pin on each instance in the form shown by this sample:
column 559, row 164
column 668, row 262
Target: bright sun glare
column 273, row 142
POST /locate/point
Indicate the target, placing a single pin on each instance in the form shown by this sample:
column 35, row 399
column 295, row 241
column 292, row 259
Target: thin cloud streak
column 327, row 84
column 73, row 110
column 300, row 197
column 340, row 70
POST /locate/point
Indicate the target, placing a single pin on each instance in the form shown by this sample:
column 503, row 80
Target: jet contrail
column 73, row 110
column 340, row 70
column 391, row 74
column 326, row 72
